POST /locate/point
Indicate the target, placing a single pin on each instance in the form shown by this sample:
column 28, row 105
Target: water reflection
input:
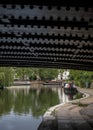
column 24, row 108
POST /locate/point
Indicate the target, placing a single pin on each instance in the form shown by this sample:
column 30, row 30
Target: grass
column 80, row 104
column 78, row 95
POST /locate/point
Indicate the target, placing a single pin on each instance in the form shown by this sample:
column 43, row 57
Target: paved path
column 77, row 115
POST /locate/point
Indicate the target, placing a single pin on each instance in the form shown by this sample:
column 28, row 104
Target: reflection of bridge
column 46, row 33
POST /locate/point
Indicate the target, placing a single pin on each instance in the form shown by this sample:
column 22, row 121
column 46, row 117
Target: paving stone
column 74, row 117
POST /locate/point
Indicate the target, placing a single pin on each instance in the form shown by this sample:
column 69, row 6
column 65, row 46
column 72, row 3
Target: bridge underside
column 43, row 33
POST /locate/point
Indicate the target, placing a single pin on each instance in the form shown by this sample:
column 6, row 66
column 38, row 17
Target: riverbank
column 77, row 114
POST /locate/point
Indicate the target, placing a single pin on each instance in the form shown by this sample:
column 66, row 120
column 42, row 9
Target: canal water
column 23, row 109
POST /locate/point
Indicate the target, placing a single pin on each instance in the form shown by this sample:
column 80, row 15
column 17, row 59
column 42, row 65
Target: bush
column 78, row 95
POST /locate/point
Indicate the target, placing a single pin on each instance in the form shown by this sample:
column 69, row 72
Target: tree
column 81, row 77
column 6, row 76
column 48, row 74
column 36, row 73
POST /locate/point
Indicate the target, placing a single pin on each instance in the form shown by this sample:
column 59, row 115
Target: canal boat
column 70, row 89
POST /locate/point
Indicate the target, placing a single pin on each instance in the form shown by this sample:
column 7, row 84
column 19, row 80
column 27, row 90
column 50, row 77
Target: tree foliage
column 6, row 76
column 81, row 77
column 48, row 74
column 36, row 73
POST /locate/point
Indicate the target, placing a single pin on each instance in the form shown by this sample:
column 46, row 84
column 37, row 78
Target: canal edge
column 50, row 113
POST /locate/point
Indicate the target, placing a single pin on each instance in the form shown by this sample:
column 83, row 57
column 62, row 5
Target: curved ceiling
column 45, row 33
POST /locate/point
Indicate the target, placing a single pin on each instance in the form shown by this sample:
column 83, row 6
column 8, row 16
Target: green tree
column 48, row 74
column 36, row 73
column 6, row 76
column 20, row 72
column 81, row 77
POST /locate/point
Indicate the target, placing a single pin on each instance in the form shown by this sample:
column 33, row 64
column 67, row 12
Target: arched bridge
column 46, row 33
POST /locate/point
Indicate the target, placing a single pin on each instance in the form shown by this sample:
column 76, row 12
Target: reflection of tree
column 6, row 101
column 45, row 99
column 35, row 101
column 21, row 103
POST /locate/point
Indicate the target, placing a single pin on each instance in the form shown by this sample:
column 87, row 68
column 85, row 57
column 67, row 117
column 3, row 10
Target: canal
column 23, row 109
